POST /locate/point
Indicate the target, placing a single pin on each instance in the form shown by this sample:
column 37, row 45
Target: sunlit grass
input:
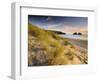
column 52, row 46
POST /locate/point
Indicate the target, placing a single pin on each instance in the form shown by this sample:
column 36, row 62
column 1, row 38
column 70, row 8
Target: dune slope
column 48, row 48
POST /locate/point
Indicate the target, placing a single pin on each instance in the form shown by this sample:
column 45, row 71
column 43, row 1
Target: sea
column 71, row 36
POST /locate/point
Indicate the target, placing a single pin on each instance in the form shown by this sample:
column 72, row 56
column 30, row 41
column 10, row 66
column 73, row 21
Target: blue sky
column 66, row 24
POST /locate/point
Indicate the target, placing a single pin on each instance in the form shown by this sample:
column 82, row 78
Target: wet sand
column 80, row 43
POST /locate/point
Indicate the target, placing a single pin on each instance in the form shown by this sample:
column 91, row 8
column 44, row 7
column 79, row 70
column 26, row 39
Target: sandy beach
column 80, row 43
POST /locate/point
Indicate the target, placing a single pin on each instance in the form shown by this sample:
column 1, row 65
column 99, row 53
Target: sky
column 65, row 24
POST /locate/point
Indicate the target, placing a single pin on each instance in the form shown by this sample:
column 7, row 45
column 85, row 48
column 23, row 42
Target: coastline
column 82, row 47
column 79, row 42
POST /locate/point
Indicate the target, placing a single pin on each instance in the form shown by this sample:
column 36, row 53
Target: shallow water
column 81, row 37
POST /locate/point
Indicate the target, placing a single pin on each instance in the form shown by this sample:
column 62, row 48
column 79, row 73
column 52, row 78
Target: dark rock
column 75, row 33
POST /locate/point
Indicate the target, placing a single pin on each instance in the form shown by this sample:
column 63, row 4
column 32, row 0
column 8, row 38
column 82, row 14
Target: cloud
column 49, row 18
column 69, row 29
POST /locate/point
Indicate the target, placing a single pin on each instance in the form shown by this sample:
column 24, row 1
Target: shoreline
column 79, row 42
